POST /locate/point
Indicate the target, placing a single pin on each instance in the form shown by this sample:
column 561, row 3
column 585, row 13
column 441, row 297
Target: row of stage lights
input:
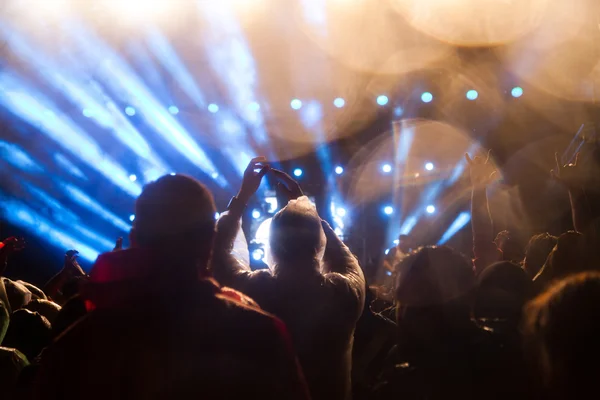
column 296, row 104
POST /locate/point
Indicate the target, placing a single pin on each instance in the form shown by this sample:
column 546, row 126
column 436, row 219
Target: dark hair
column 502, row 290
column 561, row 329
column 29, row 332
column 537, row 251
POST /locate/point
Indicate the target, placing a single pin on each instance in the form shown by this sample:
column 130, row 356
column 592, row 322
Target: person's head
column 4, row 320
column 405, row 243
column 433, row 292
column 29, row 332
column 537, row 251
column 502, row 290
column 511, row 250
column 175, row 218
column 47, row 308
column 561, row 330
column 297, row 239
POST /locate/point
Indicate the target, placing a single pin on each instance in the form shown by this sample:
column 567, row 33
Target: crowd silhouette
column 179, row 315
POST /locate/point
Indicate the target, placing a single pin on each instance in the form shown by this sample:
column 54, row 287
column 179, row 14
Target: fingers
column 488, row 156
column 263, row 171
column 576, row 158
column 468, row 159
column 557, row 161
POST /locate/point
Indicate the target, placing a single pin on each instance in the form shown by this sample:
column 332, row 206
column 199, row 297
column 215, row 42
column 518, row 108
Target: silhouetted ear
column 133, row 238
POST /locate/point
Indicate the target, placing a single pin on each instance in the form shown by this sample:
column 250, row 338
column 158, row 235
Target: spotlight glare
column 517, row 91
column 132, row 217
column 426, row 97
column 388, row 210
column 254, row 106
column 213, row 108
column 430, row 209
column 339, row 102
column 429, row 166
column 341, row 212
column 258, row 254
column 386, row 168
column 387, row 251
column 130, row 111
column 174, row 110
column 298, row 172
column 382, row 100
column 472, row 94
column 217, row 215
column 87, row 113
column 132, row 178
column 296, row 104
column 339, row 170
column 398, row 111
column 255, row 214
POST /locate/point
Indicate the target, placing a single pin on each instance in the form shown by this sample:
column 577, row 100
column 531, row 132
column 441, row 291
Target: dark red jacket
column 152, row 339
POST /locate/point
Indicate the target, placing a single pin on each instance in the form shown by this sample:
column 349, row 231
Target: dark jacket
column 156, row 339
column 319, row 307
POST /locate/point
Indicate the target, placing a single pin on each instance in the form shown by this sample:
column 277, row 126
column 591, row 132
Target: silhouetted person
column 316, row 287
column 537, row 251
column 159, row 328
column 441, row 353
column 561, row 330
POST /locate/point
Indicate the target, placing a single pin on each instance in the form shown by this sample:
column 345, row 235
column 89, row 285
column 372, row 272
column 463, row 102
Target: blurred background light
column 339, row 102
column 130, row 111
column 174, row 110
column 382, row 100
column 258, row 254
column 213, row 108
column 388, row 210
column 296, row 104
column 87, row 113
column 254, row 106
column 429, row 166
column 255, row 214
column 472, row 94
column 430, row 209
column 132, row 178
column 339, row 170
column 132, row 217
column 386, row 168
column 516, row 91
column 298, row 172
column 426, row 97
column 341, row 212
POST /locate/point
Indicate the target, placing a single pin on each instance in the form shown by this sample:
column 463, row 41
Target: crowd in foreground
column 178, row 315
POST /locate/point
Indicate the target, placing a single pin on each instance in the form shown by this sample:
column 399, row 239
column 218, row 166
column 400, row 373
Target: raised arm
column 226, row 268
column 482, row 173
column 71, row 269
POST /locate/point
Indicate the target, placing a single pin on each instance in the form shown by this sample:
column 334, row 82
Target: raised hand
column 257, row 168
column 482, row 172
column 11, row 245
column 570, row 175
column 71, row 265
column 118, row 244
column 288, row 185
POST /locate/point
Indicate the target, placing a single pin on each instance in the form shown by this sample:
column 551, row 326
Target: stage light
column 174, row 110
column 132, row 178
column 396, row 241
column 298, row 172
column 254, row 106
column 255, row 214
column 258, row 254
column 172, row 174
column 217, row 215
column 339, row 102
column 341, row 212
column 296, row 104
column 386, row 168
column 87, row 113
column 338, row 231
column 339, row 170
column 460, row 221
column 516, row 91
column 387, row 251
column 132, row 217
column 430, row 209
column 382, row 100
column 426, row 97
column 472, row 94
column 429, row 166
column 214, row 175
column 388, row 210
column 130, row 111
column 398, row 111
column 213, row 108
